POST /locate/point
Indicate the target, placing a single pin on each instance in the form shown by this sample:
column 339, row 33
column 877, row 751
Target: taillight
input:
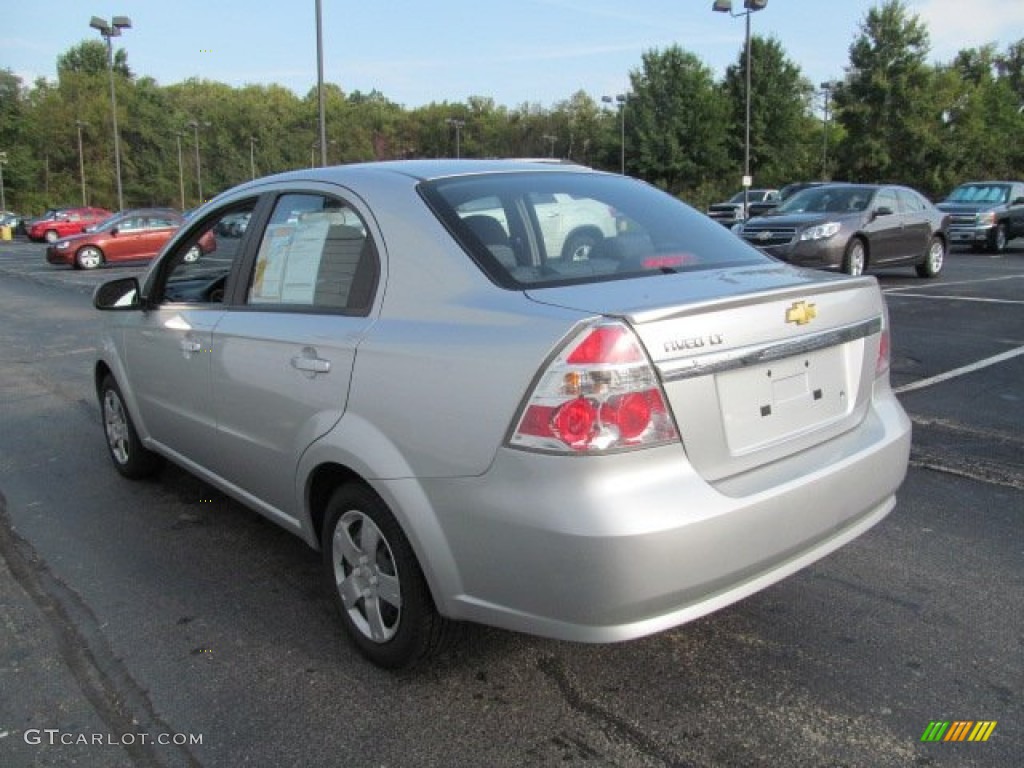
column 884, row 346
column 599, row 394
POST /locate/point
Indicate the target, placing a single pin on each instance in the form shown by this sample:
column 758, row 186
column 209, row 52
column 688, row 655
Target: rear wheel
column 89, row 257
column 579, row 245
column 933, row 260
column 130, row 457
column 855, row 258
column 385, row 604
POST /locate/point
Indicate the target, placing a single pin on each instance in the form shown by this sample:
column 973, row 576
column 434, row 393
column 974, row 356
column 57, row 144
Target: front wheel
column 130, row 457
column 89, row 257
column 385, row 604
column 855, row 257
column 933, row 260
column 998, row 239
column 51, row 236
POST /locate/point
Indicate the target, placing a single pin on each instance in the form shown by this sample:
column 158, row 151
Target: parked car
column 62, row 222
column 10, row 219
column 851, row 227
column 733, row 210
column 496, row 429
column 761, row 207
column 136, row 235
column 985, row 214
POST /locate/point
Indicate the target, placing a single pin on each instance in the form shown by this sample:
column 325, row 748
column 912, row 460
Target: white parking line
column 921, row 287
column 1009, row 354
column 958, row 298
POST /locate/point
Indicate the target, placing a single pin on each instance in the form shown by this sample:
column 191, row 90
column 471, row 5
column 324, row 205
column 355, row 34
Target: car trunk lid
column 758, row 363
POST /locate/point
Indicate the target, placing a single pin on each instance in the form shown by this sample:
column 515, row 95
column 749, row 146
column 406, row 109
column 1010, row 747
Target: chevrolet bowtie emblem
column 801, row 313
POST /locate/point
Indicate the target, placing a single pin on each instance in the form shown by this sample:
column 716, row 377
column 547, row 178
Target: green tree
column 885, row 104
column 783, row 135
column 674, row 121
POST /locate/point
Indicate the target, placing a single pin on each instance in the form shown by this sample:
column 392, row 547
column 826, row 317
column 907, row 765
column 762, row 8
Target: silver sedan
column 400, row 363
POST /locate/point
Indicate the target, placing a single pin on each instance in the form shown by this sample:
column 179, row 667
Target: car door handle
column 309, row 364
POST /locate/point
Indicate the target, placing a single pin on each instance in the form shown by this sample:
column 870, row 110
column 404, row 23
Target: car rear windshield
column 526, row 229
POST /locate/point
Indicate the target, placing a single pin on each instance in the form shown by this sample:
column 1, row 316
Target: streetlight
column 725, row 6
column 81, row 158
column 181, row 169
column 552, row 139
column 621, row 98
column 827, row 88
column 3, row 197
column 107, row 31
column 194, row 125
column 320, row 84
column 252, row 155
column 458, row 134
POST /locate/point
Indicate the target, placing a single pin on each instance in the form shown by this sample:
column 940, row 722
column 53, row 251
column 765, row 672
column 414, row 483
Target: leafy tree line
column 893, row 117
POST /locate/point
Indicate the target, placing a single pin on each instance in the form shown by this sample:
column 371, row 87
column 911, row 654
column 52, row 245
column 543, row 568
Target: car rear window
column 528, row 229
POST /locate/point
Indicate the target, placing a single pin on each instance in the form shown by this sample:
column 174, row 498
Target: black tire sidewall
column 411, row 640
column 141, row 461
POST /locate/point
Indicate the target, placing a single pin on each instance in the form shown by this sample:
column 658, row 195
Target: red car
column 63, row 222
column 136, row 235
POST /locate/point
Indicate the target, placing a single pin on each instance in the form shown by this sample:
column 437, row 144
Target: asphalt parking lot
column 135, row 611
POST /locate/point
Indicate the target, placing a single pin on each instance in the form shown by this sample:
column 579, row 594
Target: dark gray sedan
column 853, row 227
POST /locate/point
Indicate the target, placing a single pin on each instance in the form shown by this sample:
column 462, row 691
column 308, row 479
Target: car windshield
column 527, row 229
column 980, row 193
column 827, row 200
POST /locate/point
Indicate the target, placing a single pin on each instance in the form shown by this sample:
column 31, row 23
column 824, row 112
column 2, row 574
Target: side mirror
column 114, row 231
column 120, row 294
column 883, row 210
column 1018, row 201
column 85, row 229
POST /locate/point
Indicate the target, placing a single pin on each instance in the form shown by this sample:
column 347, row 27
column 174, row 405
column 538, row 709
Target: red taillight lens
column 599, row 394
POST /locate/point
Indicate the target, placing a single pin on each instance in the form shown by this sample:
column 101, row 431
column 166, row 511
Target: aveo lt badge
column 801, row 313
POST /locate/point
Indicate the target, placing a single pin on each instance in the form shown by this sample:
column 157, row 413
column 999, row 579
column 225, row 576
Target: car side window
column 910, row 201
column 197, row 271
column 886, row 198
column 316, row 253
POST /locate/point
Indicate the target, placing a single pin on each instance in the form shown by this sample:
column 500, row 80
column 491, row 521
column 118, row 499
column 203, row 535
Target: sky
column 416, row 52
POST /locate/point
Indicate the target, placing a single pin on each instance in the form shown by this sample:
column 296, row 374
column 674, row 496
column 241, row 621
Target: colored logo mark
column 958, row 730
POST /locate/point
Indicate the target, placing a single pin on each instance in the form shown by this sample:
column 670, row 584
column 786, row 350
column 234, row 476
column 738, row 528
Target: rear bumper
column 617, row 547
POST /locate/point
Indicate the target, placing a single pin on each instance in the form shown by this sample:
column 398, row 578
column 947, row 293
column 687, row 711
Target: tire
column 51, row 236
column 89, row 257
column 997, row 241
column 933, row 259
column 380, row 591
column 855, row 258
column 130, row 457
column 578, row 246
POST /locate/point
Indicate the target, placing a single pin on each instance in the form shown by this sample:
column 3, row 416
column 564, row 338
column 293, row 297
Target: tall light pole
column 81, row 158
column 320, row 84
column 194, row 125
column 458, row 133
column 621, row 99
column 113, row 29
column 181, row 169
column 725, row 6
column 552, row 139
column 826, row 88
column 3, row 195
column 252, row 155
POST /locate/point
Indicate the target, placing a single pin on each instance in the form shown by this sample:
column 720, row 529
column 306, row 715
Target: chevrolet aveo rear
column 404, row 364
